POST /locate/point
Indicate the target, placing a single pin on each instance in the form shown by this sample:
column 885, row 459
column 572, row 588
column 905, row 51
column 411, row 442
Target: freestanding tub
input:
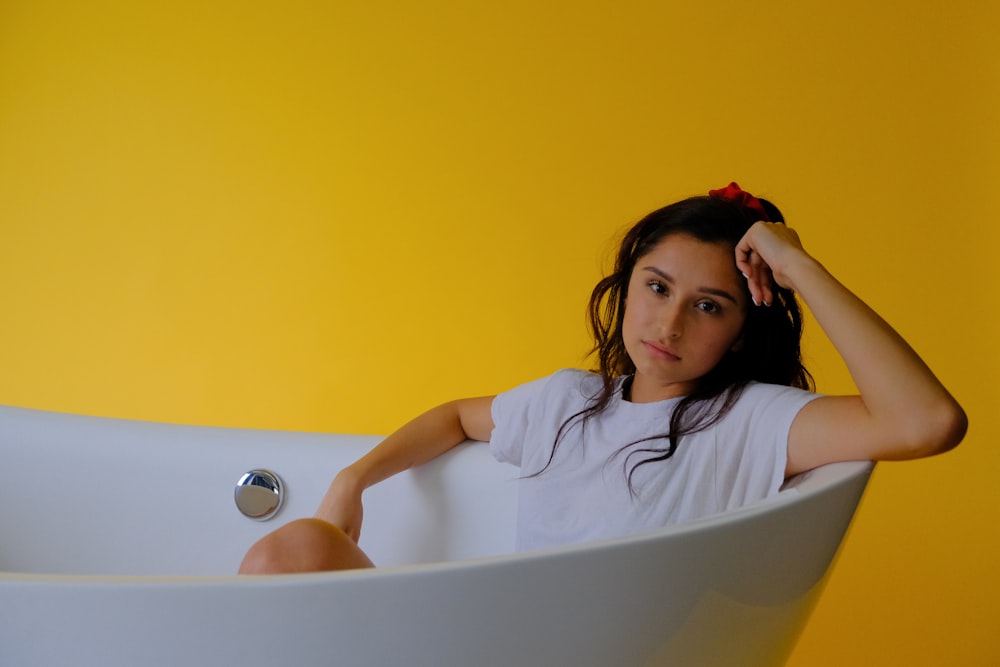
column 119, row 540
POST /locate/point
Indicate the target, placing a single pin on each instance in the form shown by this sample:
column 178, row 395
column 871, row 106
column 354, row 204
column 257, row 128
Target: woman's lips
column 661, row 352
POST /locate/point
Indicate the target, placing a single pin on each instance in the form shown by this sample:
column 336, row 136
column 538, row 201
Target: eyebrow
column 705, row 290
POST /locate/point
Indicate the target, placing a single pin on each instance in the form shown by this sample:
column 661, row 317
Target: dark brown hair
column 770, row 350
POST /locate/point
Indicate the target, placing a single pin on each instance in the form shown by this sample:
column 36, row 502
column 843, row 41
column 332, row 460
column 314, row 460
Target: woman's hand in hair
column 766, row 255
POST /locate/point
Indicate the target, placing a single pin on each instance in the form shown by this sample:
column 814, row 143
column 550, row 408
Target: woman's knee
column 305, row 545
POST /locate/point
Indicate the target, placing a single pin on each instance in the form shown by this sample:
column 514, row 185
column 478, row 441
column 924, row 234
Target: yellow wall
column 322, row 215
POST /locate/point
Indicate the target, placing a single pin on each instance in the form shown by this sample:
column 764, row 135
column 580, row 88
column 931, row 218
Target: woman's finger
column 758, row 275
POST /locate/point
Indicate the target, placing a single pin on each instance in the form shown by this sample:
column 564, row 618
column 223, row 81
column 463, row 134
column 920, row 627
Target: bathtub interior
column 107, row 497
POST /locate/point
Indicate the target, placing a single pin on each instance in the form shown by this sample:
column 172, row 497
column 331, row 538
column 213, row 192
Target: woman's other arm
column 417, row 442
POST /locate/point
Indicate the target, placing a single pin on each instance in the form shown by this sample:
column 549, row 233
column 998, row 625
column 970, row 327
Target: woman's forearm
column 417, row 442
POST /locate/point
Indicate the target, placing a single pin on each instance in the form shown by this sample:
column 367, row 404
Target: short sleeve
column 530, row 415
column 753, row 449
column 512, row 417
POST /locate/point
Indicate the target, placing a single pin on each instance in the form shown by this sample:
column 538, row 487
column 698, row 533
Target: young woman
column 700, row 403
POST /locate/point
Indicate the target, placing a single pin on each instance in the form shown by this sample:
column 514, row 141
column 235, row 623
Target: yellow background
column 319, row 215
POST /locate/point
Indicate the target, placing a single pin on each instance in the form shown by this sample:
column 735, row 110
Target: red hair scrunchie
column 735, row 194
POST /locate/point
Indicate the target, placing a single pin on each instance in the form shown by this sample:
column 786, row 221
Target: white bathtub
column 119, row 540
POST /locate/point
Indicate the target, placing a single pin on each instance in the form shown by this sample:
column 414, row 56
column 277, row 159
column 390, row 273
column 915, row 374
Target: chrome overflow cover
column 259, row 494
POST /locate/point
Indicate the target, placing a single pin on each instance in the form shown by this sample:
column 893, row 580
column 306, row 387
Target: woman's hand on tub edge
column 342, row 504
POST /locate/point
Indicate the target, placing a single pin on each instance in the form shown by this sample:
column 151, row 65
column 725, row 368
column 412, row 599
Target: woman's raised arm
column 902, row 411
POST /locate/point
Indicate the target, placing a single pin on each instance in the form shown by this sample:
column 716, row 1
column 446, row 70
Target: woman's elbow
column 939, row 430
column 955, row 429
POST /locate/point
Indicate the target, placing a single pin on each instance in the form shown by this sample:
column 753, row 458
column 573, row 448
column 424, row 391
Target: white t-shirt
column 583, row 495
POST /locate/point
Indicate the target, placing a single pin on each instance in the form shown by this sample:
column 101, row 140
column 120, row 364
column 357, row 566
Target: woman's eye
column 708, row 307
column 657, row 287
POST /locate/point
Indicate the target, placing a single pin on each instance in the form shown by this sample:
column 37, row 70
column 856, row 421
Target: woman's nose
column 672, row 321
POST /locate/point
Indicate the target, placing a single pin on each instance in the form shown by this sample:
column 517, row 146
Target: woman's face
column 685, row 307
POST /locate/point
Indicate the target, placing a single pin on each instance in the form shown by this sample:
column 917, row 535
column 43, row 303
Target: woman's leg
column 305, row 545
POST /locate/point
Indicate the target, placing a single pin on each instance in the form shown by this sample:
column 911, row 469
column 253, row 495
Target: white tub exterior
column 118, row 541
